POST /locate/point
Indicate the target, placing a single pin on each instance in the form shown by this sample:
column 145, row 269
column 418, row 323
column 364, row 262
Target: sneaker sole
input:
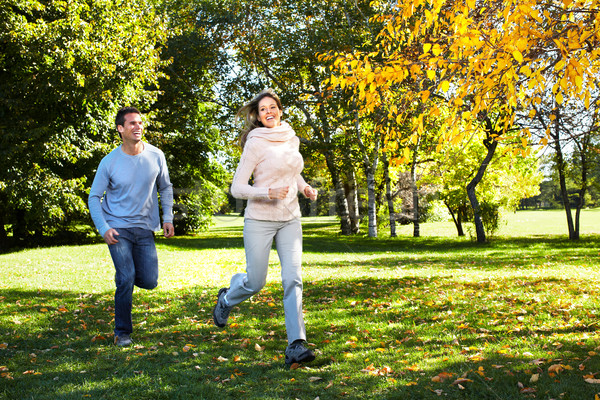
column 308, row 358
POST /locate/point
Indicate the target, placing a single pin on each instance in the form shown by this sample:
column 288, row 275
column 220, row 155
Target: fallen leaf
column 442, row 376
column 314, row 378
column 592, row 381
column 258, row 347
column 527, row 390
column 295, row 366
column 461, row 381
column 555, row 369
column 329, row 385
column 222, row 359
column 236, row 358
column 534, row 378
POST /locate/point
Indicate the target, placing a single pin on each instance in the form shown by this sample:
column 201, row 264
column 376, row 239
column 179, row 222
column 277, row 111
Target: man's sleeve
column 97, row 190
column 165, row 188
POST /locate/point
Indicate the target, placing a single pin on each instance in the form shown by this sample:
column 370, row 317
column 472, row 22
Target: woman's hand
column 278, row 193
column 311, row 193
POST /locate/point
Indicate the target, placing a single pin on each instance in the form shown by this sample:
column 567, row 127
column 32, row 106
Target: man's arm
column 165, row 188
column 97, row 191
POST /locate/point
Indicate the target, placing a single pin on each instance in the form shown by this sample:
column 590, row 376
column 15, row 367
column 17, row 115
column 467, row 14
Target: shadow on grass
column 375, row 338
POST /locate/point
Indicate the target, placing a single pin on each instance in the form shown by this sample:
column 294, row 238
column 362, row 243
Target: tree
column 188, row 125
column 484, row 58
column 508, row 179
column 276, row 44
column 65, row 70
column 573, row 131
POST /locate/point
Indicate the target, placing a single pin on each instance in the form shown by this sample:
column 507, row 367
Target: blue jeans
column 136, row 263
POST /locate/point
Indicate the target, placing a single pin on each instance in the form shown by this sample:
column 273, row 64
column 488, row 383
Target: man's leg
column 145, row 259
column 122, row 256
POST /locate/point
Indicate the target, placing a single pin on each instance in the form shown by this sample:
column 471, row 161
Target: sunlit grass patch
column 403, row 318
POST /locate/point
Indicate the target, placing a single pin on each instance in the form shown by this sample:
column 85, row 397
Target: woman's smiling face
column 269, row 113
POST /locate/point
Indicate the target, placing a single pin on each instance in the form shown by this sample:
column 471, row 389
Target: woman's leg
column 288, row 241
column 258, row 238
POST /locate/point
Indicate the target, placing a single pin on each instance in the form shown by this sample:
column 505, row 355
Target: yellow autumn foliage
column 499, row 54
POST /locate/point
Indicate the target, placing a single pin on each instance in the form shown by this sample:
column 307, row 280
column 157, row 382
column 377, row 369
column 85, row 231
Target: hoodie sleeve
column 240, row 189
column 301, row 184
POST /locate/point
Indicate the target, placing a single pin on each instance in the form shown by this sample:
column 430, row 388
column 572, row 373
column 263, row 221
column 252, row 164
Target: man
column 123, row 203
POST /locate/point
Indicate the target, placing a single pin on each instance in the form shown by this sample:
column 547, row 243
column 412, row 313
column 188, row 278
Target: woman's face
column 269, row 113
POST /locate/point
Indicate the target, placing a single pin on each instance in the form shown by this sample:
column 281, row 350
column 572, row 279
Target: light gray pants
column 258, row 238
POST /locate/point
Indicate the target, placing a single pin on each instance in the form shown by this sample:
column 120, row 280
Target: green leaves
column 64, row 71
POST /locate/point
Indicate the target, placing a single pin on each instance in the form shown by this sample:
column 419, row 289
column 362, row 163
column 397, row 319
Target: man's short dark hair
column 120, row 118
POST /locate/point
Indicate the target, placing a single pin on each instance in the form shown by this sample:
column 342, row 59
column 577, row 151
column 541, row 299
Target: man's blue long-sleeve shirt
column 124, row 191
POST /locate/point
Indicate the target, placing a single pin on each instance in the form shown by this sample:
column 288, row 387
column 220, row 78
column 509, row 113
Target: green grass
column 389, row 318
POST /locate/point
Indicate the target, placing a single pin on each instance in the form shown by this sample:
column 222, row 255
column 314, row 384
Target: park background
column 453, row 248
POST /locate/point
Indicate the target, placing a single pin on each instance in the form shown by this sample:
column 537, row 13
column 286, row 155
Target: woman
column 270, row 154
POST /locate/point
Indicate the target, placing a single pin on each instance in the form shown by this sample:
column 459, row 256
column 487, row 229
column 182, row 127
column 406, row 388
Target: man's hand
column 110, row 237
column 311, row 193
column 279, row 193
column 168, row 229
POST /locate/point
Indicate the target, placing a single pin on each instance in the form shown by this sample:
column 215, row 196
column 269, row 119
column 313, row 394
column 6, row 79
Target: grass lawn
column 436, row 317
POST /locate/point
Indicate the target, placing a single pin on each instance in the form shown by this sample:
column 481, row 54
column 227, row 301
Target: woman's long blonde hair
column 250, row 113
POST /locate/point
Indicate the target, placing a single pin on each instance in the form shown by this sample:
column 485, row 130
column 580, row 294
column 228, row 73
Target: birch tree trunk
column 388, row 194
column 415, row 192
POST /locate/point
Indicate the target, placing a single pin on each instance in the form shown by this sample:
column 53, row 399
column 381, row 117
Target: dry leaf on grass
column 461, row 381
column 555, row 369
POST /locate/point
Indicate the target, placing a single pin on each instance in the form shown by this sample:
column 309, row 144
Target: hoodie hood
column 281, row 133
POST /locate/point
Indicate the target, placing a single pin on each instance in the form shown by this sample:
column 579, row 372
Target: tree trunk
column 388, row 194
column 340, row 197
column 372, row 209
column 491, row 144
column 350, row 189
column 415, row 193
column 583, row 150
column 456, row 217
column 3, row 234
column 561, row 169
column 560, row 166
column 370, row 167
column 20, row 228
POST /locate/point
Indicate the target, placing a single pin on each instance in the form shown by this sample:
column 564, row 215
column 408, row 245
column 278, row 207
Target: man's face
column 132, row 129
